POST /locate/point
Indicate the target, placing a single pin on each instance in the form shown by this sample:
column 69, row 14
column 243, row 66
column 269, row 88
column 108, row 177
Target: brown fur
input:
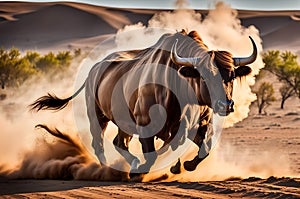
column 223, row 59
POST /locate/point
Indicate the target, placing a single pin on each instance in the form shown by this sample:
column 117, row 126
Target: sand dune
column 40, row 26
column 272, row 29
column 44, row 25
column 50, row 25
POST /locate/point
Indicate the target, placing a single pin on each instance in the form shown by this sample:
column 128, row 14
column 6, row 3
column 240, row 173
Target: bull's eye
column 231, row 76
column 227, row 75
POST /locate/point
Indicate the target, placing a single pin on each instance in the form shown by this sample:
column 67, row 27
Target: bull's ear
column 242, row 71
column 187, row 71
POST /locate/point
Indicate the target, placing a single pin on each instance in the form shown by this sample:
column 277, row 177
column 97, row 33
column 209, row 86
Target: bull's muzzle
column 224, row 108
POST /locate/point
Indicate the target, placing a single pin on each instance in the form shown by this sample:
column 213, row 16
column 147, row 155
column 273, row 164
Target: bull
column 125, row 86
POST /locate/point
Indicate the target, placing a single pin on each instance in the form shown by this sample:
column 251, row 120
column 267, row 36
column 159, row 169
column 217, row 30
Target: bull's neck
column 198, row 86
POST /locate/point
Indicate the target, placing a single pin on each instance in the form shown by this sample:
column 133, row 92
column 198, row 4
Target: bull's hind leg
column 121, row 142
column 98, row 124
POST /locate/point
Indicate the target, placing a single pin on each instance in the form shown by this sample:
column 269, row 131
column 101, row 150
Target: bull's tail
column 52, row 102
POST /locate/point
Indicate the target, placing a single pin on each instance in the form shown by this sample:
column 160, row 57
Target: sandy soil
column 232, row 188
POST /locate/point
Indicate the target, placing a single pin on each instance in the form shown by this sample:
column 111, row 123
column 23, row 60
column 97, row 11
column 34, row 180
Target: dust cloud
column 39, row 152
column 227, row 161
column 27, row 152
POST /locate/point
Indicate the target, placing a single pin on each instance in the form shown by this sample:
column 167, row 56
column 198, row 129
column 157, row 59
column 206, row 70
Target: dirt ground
column 232, row 188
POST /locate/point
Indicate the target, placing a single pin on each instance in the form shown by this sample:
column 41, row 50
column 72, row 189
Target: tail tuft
column 49, row 102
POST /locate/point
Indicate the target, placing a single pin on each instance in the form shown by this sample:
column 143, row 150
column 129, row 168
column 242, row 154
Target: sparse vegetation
column 15, row 68
column 285, row 67
column 265, row 95
column 77, row 52
column 286, row 92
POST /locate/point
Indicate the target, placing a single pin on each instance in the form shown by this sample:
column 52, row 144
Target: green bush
column 15, row 69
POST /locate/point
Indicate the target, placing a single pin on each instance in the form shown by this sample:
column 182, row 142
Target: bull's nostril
column 225, row 107
column 229, row 106
column 221, row 105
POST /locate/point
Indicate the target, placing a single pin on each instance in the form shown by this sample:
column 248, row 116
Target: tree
column 265, row 95
column 286, row 91
column 285, row 67
column 77, row 52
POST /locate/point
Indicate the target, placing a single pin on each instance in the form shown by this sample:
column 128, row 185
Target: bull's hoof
column 176, row 168
column 189, row 165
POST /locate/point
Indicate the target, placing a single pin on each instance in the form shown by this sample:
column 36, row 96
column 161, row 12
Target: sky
column 194, row 4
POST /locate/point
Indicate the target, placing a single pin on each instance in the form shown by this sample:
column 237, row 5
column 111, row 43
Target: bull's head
column 218, row 84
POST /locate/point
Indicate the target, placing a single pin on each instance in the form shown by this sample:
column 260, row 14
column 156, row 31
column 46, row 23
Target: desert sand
column 263, row 160
column 231, row 188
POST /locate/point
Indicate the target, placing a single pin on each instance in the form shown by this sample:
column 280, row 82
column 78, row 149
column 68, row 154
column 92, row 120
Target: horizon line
column 170, row 4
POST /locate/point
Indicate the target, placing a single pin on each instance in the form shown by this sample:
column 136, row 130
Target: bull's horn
column 180, row 60
column 242, row 61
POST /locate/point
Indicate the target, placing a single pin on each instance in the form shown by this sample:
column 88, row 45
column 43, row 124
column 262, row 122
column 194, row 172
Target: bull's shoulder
column 123, row 56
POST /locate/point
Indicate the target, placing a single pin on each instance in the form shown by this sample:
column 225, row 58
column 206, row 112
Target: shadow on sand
column 10, row 187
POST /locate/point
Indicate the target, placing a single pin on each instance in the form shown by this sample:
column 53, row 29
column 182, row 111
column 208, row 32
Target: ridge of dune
column 17, row 7
column 51, row 24
column 116, row 19
column 9, row 9
column 295, row 17
column 291, row 41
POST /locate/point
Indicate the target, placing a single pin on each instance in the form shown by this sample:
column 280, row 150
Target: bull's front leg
column 149, row 152
column 150, row 156
column 192, row 164
column 204, row 147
